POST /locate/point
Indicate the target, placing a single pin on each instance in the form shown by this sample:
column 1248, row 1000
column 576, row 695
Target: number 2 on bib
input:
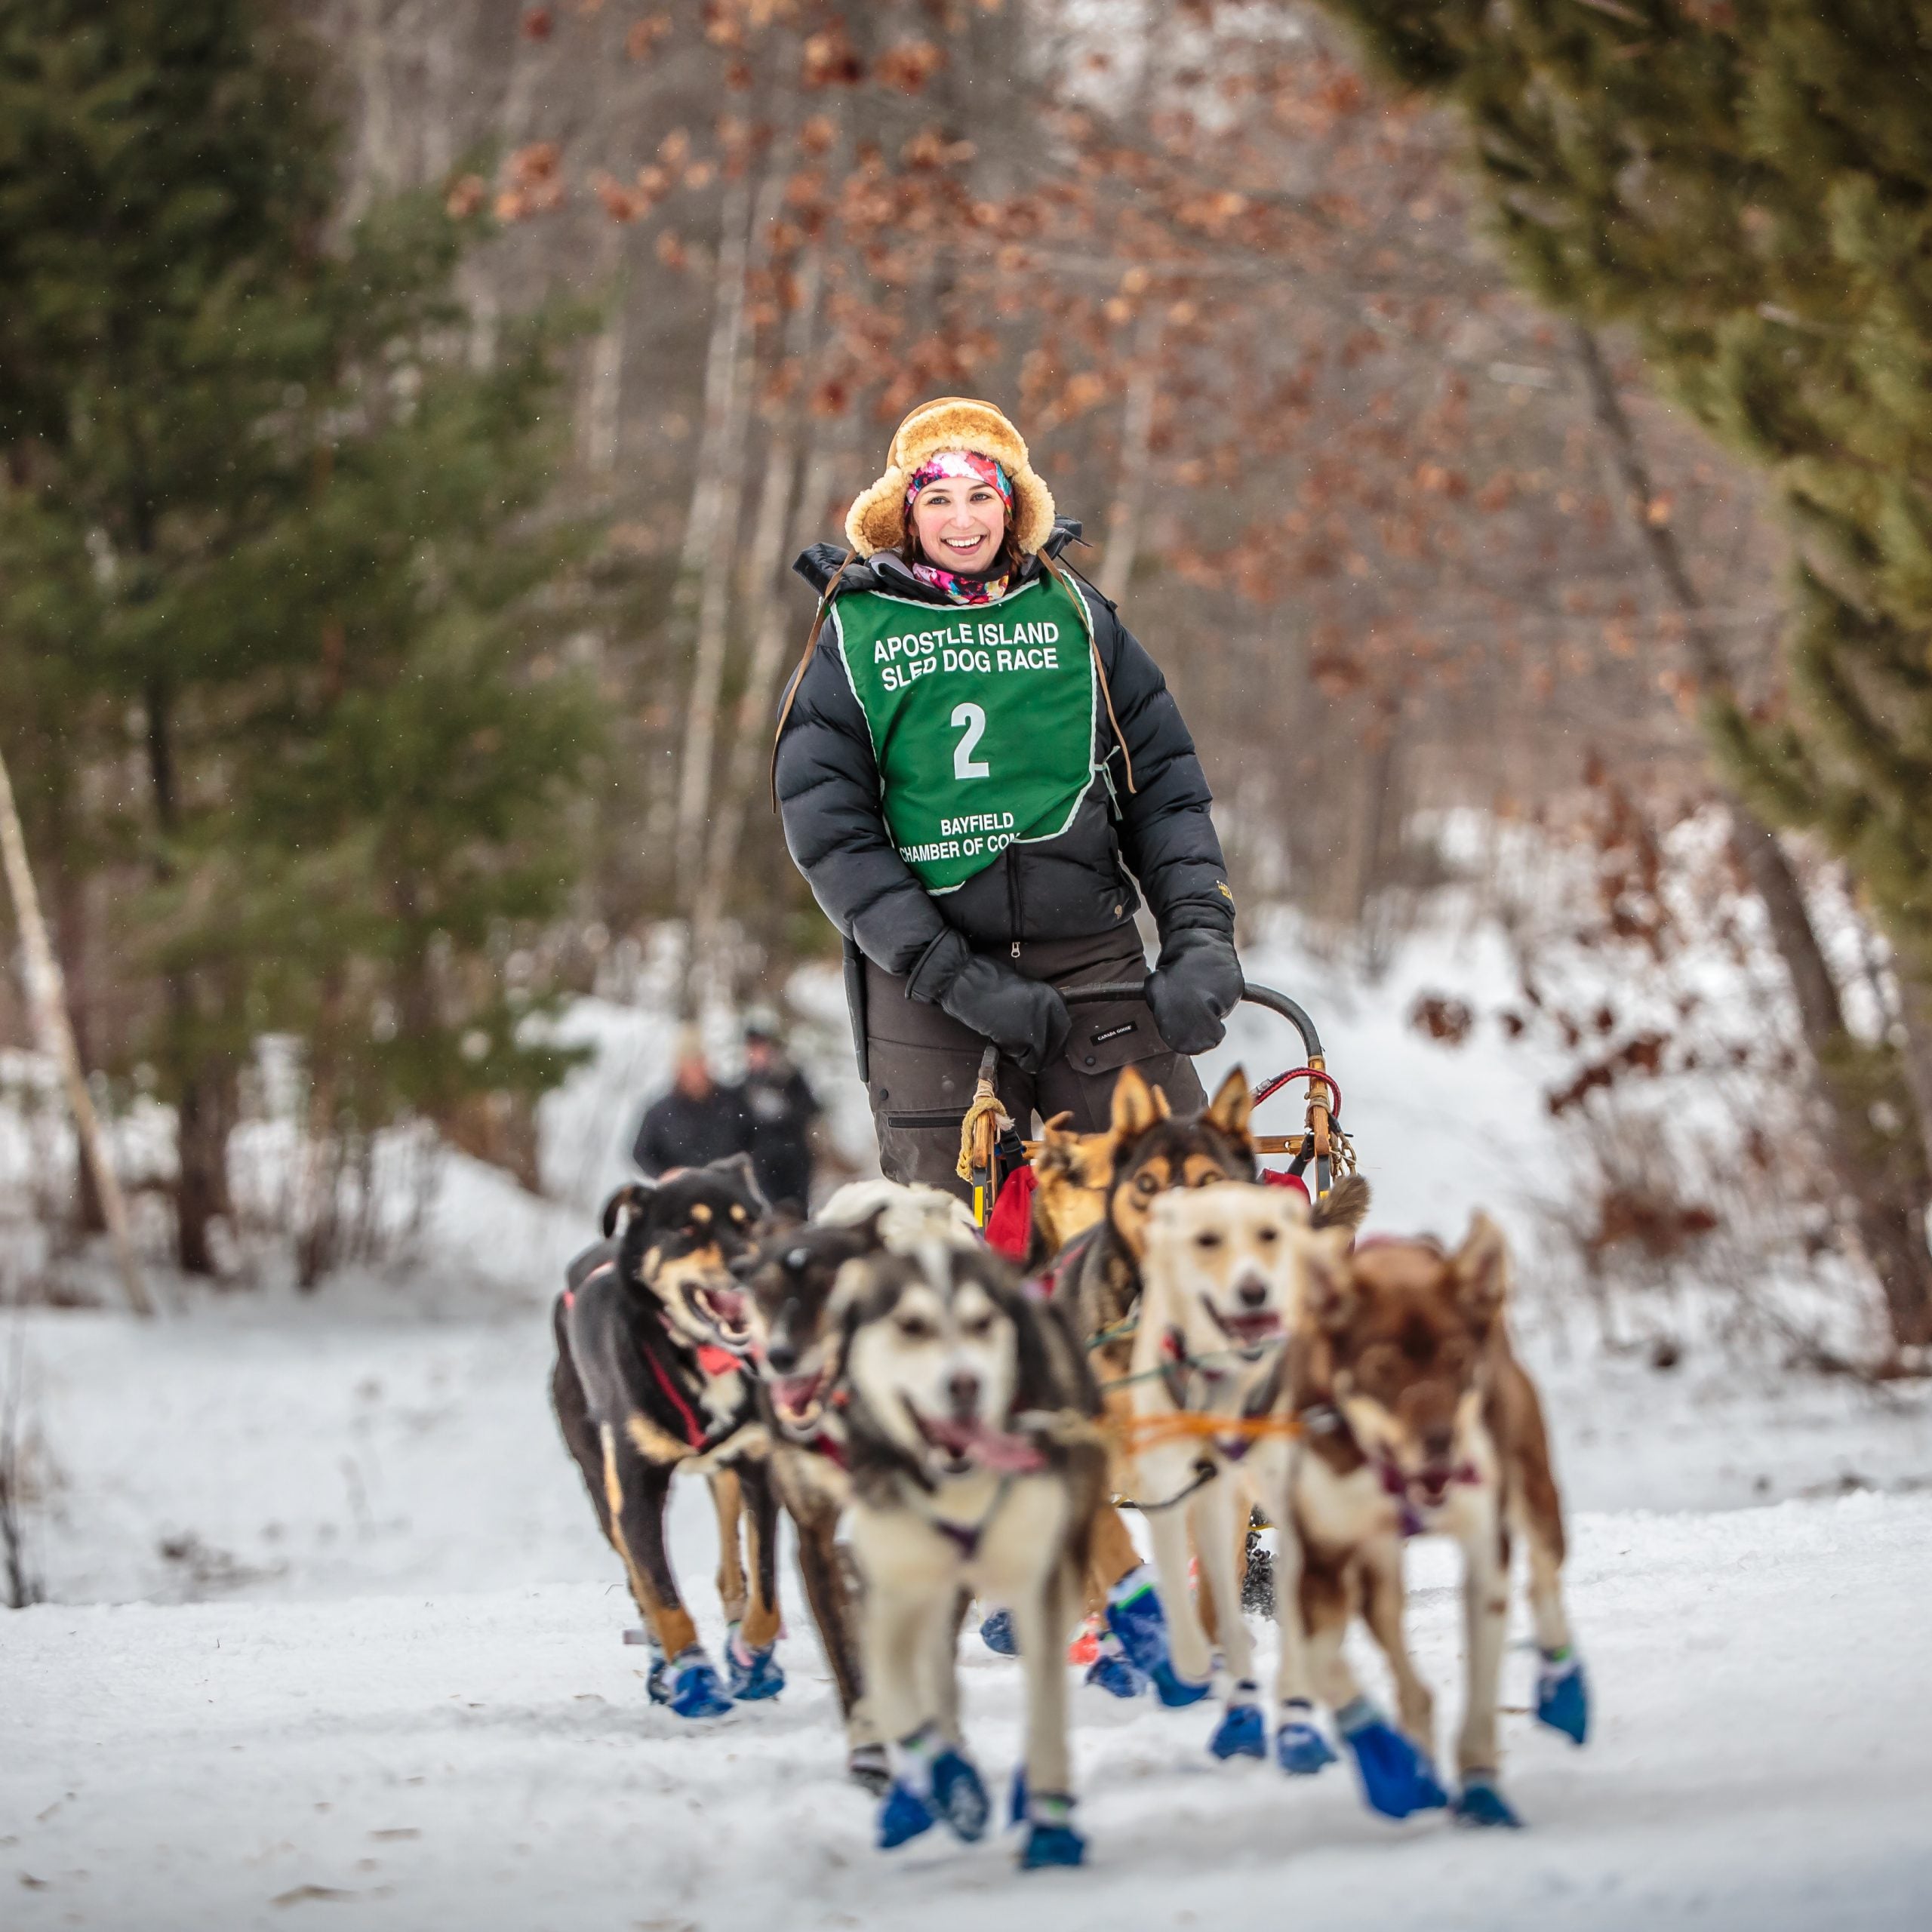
column 965, row 764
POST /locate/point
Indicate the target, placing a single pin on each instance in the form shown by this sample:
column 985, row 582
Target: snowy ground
column 487, row 1761
column 334, row 1635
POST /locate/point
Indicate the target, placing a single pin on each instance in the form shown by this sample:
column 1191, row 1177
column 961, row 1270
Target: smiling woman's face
column 959, row 521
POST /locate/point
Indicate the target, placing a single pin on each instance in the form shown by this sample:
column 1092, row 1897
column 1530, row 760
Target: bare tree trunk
column 1137, row 436
column 1890, row 1219
column 604, row 366
column 46, row 999
column 763, row 619
column 374, row 163
column 70, row 936
column 727, row 409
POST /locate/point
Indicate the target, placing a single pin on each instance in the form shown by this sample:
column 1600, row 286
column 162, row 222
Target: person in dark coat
column 782, row 1106
column 980, row 772
column 699, row 1121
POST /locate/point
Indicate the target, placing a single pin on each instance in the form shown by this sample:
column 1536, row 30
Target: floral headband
column 967, row 464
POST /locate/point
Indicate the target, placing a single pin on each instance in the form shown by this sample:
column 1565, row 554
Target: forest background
column 409, row 415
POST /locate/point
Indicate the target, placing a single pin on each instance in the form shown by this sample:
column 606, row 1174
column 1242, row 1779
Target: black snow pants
column 923, row 1065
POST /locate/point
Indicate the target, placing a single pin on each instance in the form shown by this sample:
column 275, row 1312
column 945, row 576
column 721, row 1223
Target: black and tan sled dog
column 650, row 1380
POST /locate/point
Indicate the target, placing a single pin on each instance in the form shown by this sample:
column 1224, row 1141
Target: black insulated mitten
column 1026, row 1019
column 1195, row 987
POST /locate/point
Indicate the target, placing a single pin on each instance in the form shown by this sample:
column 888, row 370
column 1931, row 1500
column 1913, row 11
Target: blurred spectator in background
column 782, row 1107
column 699, row 1120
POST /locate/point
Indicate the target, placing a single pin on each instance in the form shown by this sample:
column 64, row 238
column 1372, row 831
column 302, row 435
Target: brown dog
column 1418, row 1419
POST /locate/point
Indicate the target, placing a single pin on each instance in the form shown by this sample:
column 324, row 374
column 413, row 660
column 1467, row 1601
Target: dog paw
column 1174, row 1690
column 695, row 1691
column 1135, row 1615
column 996, row 1633
column 1112, row 1673
column 1397, row 1780
column 866, row 1764
column 1480, row 1803
column 753, row 1674
column 959, row 1795
column 1563, row 1695
column 1300, row 1749
column 1242, row 1733
column 902, row 1816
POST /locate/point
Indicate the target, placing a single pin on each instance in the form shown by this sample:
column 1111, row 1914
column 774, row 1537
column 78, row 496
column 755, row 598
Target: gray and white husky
column 977, row 1469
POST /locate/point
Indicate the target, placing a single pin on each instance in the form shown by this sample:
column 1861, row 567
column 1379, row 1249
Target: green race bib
column 982, row 718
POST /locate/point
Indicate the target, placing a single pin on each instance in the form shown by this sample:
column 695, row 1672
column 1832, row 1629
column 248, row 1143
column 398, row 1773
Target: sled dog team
column 1184, row 1338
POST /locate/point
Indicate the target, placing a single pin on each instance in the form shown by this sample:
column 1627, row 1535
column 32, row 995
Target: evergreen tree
column 256, row 496
column 1748, row 185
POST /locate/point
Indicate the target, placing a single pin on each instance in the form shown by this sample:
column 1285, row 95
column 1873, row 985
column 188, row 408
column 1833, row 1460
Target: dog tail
column 1346, row 1205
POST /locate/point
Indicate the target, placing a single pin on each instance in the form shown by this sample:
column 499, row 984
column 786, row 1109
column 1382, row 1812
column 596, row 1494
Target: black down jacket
column 1077, row 886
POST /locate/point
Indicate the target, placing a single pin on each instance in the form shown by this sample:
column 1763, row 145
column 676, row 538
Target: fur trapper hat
column 877, row 519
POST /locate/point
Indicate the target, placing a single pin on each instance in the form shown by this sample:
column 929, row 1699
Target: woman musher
column 976, row 762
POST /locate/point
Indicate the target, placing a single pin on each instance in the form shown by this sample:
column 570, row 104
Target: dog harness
column 964, row 1537
column 711, row 1359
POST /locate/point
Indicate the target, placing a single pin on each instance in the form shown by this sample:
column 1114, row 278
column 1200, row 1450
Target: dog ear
column 868, row 1236
column 1329, row 1299
column 1135, row 1108
column 738, row 1168
column 626, row 1204
column 1481, row 1269
column 1058, row 1142
column 1232, row 1107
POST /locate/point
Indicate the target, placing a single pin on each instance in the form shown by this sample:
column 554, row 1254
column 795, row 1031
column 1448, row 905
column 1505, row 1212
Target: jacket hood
column 887, row 571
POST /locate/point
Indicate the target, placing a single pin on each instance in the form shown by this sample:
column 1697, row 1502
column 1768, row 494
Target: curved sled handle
column 1250, row 993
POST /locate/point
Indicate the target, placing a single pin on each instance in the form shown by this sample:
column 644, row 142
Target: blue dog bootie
column 961, row 1794
column 1112, row 1671
column 695, row 1691
column 1481, row 1803
column 1397, row 1779
column 1300, row 1749
column 996, row 1633
column 1176, row 1691
column 1242, row 1731
column 1563, row 1693
column 1135, row 1618
column 753, row 1674
column 931, row 1781
column 657, row 1683
column 1051, row 1838
column 902, row 1815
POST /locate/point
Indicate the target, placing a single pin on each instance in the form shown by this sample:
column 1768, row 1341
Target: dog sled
column 997, row 1160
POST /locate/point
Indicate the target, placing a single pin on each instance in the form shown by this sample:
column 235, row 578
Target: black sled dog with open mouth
column 650, row 1380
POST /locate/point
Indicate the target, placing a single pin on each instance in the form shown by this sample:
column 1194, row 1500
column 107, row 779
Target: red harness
column 713, row 1360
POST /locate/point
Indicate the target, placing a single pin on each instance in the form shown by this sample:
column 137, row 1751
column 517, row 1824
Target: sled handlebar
column 1251, row 994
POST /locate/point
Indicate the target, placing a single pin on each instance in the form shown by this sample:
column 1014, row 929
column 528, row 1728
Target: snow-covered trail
column 1763, row 1759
